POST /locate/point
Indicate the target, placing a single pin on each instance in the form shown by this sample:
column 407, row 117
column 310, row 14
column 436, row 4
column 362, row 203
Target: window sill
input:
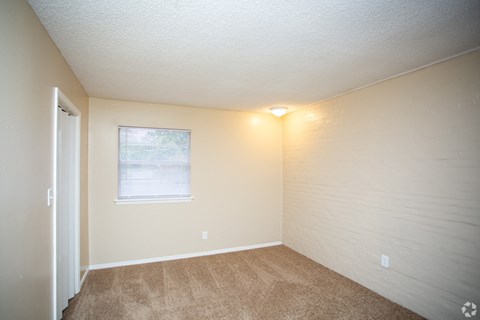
column 153, row 200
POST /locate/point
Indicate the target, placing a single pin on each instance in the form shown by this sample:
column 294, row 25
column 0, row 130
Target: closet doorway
column 66, row 202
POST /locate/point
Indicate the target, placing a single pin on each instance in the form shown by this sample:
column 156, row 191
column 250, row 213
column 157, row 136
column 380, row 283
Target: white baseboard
column 181, row 256
column 86, row 269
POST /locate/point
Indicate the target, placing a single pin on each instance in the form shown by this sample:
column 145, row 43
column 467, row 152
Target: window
column 153, row 164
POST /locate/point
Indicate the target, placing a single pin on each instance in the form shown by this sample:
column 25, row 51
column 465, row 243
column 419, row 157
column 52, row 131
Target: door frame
column 59, row 98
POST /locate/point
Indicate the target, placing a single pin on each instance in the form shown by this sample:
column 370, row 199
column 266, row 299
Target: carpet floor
column 265, row 284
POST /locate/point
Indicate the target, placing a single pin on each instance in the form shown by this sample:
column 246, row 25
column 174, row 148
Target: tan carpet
column 271, row 283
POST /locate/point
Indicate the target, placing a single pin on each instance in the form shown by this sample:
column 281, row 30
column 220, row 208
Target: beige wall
column 393, row 169
column 236, row 181
column 30, row 66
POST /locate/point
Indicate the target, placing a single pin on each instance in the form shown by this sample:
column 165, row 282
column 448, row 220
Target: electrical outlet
column 205, row 235
column 385, row 261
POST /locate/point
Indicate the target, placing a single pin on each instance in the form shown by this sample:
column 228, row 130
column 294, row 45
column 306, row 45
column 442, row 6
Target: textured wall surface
column 393, row 169
column 236, row 176
column 30, row 66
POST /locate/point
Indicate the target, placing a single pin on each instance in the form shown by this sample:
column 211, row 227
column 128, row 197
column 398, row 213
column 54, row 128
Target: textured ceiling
column 251, row 55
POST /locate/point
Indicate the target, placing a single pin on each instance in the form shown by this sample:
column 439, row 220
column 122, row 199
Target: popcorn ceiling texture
column 250, row 55
column 393, row 169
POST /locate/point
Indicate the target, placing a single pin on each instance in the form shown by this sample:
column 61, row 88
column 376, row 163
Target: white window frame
column 163, row 199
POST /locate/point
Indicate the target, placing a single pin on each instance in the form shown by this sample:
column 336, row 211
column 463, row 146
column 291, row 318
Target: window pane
column 153, row 162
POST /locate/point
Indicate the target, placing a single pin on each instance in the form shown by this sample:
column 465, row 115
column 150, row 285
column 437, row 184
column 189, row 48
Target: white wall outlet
column 205, row 235
column 385, row 261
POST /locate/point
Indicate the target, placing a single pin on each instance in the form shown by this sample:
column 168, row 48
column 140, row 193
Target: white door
column 65, row 210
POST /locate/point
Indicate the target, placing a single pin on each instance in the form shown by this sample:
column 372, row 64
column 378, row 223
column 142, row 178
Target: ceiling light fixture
column 279, row 111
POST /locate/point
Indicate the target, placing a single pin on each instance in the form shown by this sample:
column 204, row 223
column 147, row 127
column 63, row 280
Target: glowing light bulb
column 278, row 111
